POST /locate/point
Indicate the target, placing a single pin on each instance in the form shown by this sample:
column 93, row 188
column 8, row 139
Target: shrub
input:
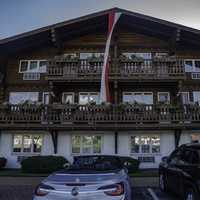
column 2, row 162
column 131, row 164
column 43, row 164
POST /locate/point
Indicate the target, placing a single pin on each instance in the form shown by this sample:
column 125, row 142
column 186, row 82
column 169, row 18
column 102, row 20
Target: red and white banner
column 104, row 92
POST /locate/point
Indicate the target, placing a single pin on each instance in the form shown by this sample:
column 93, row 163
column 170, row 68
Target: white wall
column 185, row 137
column 64, row 144
column 6, row 147
column 6, row 150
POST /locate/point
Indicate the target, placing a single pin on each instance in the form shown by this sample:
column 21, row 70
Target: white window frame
column 23, row 93
column 133, row 94
column 193, row 64
column 29, row 71
column 188, row 94
column 66, row 93
column 88, row 94
column 193, row 93
column 22, row 147
column 148, row 56
column 168, row 94
column 140, row 148
column 43, row 97
column 81, row 144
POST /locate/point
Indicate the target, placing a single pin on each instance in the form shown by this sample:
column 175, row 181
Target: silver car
column 88, row 178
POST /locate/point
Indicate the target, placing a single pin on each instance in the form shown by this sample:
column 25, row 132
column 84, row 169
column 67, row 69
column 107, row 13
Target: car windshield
column 96, row 163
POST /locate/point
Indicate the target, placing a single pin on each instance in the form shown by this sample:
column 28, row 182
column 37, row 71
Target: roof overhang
column 98, row 22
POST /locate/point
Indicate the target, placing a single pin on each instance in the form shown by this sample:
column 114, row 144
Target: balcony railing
column 98, row 114
column 168, row 68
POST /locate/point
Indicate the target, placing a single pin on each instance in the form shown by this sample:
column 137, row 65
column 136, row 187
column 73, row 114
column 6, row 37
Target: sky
column 18, row 16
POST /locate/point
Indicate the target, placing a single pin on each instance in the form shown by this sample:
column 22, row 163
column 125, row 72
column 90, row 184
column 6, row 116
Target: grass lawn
column 19, row 173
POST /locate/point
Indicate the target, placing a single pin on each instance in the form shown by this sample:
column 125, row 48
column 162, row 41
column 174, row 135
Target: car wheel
column 162, row 182
column 190, row 194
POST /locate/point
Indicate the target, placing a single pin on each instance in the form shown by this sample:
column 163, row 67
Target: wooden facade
column 134, row 33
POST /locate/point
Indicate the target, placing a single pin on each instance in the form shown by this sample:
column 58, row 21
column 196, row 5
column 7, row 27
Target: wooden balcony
column 102, row 117
column 168, row 68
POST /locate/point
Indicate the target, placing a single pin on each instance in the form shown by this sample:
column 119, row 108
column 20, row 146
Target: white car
column 88, row 178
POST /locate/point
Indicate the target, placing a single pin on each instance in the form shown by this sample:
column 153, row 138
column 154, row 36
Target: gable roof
column 139, row 22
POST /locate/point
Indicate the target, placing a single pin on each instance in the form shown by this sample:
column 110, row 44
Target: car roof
column 194, row 145
column 108, row 156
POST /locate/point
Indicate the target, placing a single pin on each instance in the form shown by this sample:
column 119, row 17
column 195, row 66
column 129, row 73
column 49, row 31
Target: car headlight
column 43, row 190
column 113, row 190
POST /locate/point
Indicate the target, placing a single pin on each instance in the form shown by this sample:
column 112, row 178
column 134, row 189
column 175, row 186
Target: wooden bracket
column 56, row 40
column 174, row 40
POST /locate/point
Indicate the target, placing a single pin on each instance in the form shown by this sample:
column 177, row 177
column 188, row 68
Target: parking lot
column 22, row 189
column 25, row 193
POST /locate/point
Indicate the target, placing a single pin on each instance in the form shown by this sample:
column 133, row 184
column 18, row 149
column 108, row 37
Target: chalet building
column 50, row 81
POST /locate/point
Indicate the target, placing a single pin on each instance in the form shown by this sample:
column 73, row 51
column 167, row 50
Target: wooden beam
column 55, row 39
column 177, row 137
column 54, row 137
column 116, row 142
column 147, row 30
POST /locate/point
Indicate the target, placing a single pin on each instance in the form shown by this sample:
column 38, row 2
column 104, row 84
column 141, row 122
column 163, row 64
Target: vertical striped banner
column 104, row 92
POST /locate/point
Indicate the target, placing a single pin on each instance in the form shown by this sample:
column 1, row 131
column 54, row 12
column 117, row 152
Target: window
column 176, row 156
column 195, row 137
column 21, row 97
column 88, row 97
column 86, row 144
column 68, row 98
column 27, row 143
column 139, row 97
column 91, row 55
column 33, row 66
column 135, row 55
column 161, row 55
column 196, row 97
column 192, row 65
column 164, row 97
column 185, row 97
column 145, row 144
column 45, row 98
column 23, row 66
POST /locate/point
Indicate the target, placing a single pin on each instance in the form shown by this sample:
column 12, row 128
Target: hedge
column 131, row 164
column 43, row 164
column 2, row 162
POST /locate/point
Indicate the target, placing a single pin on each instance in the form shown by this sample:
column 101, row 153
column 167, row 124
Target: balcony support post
column 54, row 137
column 115, row 92
column 116, row 142
column 177, row 137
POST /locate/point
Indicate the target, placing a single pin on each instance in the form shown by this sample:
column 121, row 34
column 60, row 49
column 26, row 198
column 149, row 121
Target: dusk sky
column 18, row 16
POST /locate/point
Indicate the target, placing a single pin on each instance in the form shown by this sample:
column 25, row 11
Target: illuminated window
column 86, row 144
column 145, row 144
column 27, row 143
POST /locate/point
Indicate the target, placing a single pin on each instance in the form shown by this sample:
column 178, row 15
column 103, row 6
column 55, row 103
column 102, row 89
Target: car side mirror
column 66, row 165
column 165, row 159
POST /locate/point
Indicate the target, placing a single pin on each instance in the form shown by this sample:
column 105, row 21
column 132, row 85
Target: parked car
column 89, row 177
column 180, row 172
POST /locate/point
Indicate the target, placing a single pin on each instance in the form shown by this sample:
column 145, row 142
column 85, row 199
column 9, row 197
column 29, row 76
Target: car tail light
column 113, row 190
column 43, row 190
